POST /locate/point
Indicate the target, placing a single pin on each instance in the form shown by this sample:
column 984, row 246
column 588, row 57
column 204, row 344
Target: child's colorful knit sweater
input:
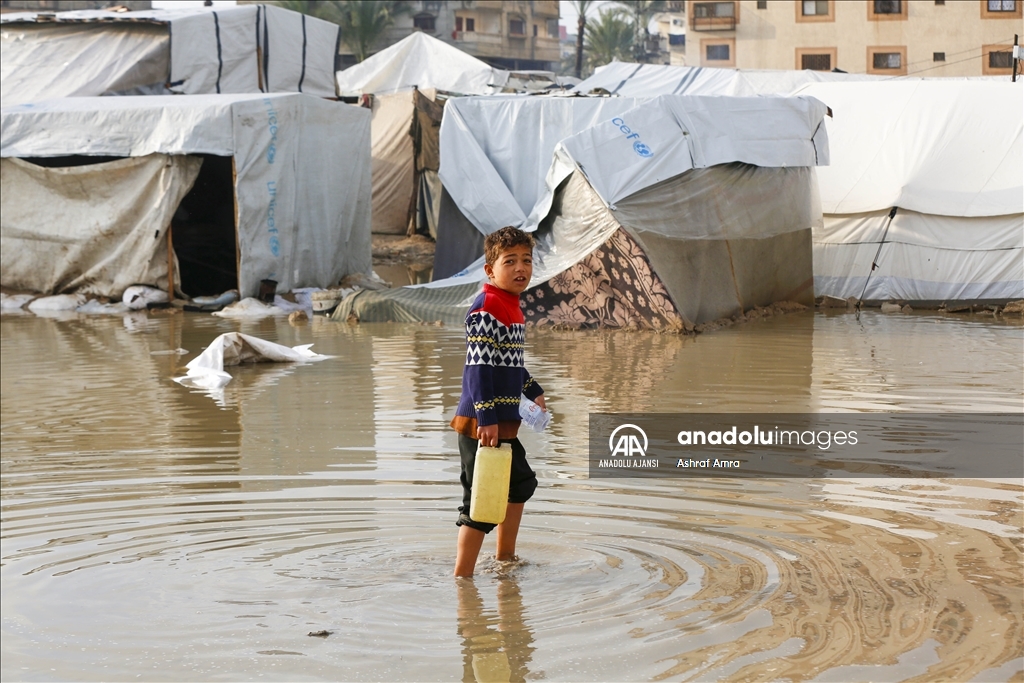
column 494, row 376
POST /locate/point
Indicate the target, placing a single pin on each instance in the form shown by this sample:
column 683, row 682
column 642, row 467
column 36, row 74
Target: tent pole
column 1016, row 52
column 874, row 261
column 170, row 262
column 238, row 248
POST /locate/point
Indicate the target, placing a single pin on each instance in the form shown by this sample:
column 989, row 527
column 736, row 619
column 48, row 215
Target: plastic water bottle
column 533, row 415
column 491, row 474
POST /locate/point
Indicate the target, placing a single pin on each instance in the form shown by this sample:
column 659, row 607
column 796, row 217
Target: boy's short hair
column 504, row 239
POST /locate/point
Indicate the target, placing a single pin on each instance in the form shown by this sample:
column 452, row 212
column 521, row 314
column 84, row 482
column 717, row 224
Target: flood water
column 156, row 532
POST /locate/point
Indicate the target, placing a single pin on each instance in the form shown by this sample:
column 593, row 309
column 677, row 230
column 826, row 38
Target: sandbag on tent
column 295, row 171
column 85, row 53
column 677, row 212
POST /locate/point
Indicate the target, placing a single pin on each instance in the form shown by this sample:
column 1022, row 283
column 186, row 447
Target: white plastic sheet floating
column 206, row 371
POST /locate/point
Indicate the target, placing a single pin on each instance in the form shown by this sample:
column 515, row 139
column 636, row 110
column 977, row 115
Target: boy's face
column 512, row 270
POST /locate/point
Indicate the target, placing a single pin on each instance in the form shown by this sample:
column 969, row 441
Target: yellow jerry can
column 490, row 484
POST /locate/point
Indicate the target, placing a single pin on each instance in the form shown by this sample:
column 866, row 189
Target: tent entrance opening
column 203, row 231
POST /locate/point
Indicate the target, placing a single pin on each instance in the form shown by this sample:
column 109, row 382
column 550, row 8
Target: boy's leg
column 508, row 531
column 468, row 550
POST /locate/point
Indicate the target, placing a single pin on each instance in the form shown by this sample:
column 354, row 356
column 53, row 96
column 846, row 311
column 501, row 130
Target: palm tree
column 610, row 37
column 642, row 11
column 363, row 22
column 581, row 7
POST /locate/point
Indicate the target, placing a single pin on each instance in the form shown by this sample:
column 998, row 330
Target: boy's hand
column 540, row 401
column 488, row 435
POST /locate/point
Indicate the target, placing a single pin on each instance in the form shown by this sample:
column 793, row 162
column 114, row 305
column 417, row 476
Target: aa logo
column 628, row 443
column 642, row 149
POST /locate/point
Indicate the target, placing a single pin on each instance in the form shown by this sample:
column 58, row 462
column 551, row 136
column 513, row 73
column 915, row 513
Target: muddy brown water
column 153, row 532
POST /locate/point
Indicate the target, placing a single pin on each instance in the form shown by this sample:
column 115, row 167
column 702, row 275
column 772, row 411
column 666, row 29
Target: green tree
column 641, row 12
column 610, row 37
column 363, row 22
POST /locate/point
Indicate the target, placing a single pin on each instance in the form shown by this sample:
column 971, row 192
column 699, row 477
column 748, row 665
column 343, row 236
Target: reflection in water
column 496, row 644
column 151, row 531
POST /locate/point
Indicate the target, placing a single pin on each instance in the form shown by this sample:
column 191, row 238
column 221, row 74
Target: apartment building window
column 882, row 10
column 552, row 28
column 719, row 52
column 890, row 61
column 938, row 56
column 713, row 16
column 1000, row 9
column 997, row 60
column 424, row 22
column 712, row 10
column 517, row 27
column 816, row 10
column 886, row 60
column 470, row 24
column 815, row 7
column 467, row 24
column 816, row 58
column 678, row 39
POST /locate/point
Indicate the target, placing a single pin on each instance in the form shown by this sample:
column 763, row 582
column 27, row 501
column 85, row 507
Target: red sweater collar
column 503, row 296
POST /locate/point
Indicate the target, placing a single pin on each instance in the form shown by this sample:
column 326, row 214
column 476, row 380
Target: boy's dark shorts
column 522, row 482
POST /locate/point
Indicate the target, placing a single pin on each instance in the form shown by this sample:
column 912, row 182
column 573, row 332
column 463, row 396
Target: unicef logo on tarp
column 628, row 443
column 642, row 149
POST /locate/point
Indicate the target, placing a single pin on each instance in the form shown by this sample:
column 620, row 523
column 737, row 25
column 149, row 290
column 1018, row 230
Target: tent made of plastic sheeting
column 420, row 61
column 627, row 79
column 402, row 83
column 496, row 153
column 404, row 148
column 949, row 156
column 242, row 49
column 913, row 143
column 676, row 212
column 282, row 192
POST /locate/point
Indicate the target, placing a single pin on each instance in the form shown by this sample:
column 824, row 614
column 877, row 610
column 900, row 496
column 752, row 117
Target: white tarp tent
column 914, row 143
column 627, row 79
column 676, row 211
column 950, row 156
column 401, row 79
column 300, row 168
column 420, row 61
column 246, row 48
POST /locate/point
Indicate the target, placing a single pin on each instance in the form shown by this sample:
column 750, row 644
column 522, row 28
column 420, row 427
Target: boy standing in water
column 492, row 381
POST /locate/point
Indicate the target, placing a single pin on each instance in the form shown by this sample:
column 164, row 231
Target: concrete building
column 670, row 29
column 897, row 37
column 511, row 34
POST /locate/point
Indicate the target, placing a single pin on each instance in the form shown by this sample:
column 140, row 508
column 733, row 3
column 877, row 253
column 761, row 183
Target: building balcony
column 471, row 39
column 546, row 8
column 713, row 23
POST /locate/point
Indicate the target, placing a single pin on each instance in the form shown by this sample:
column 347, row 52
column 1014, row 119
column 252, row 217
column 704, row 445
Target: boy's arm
column 480, row 350
column 531, row 389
